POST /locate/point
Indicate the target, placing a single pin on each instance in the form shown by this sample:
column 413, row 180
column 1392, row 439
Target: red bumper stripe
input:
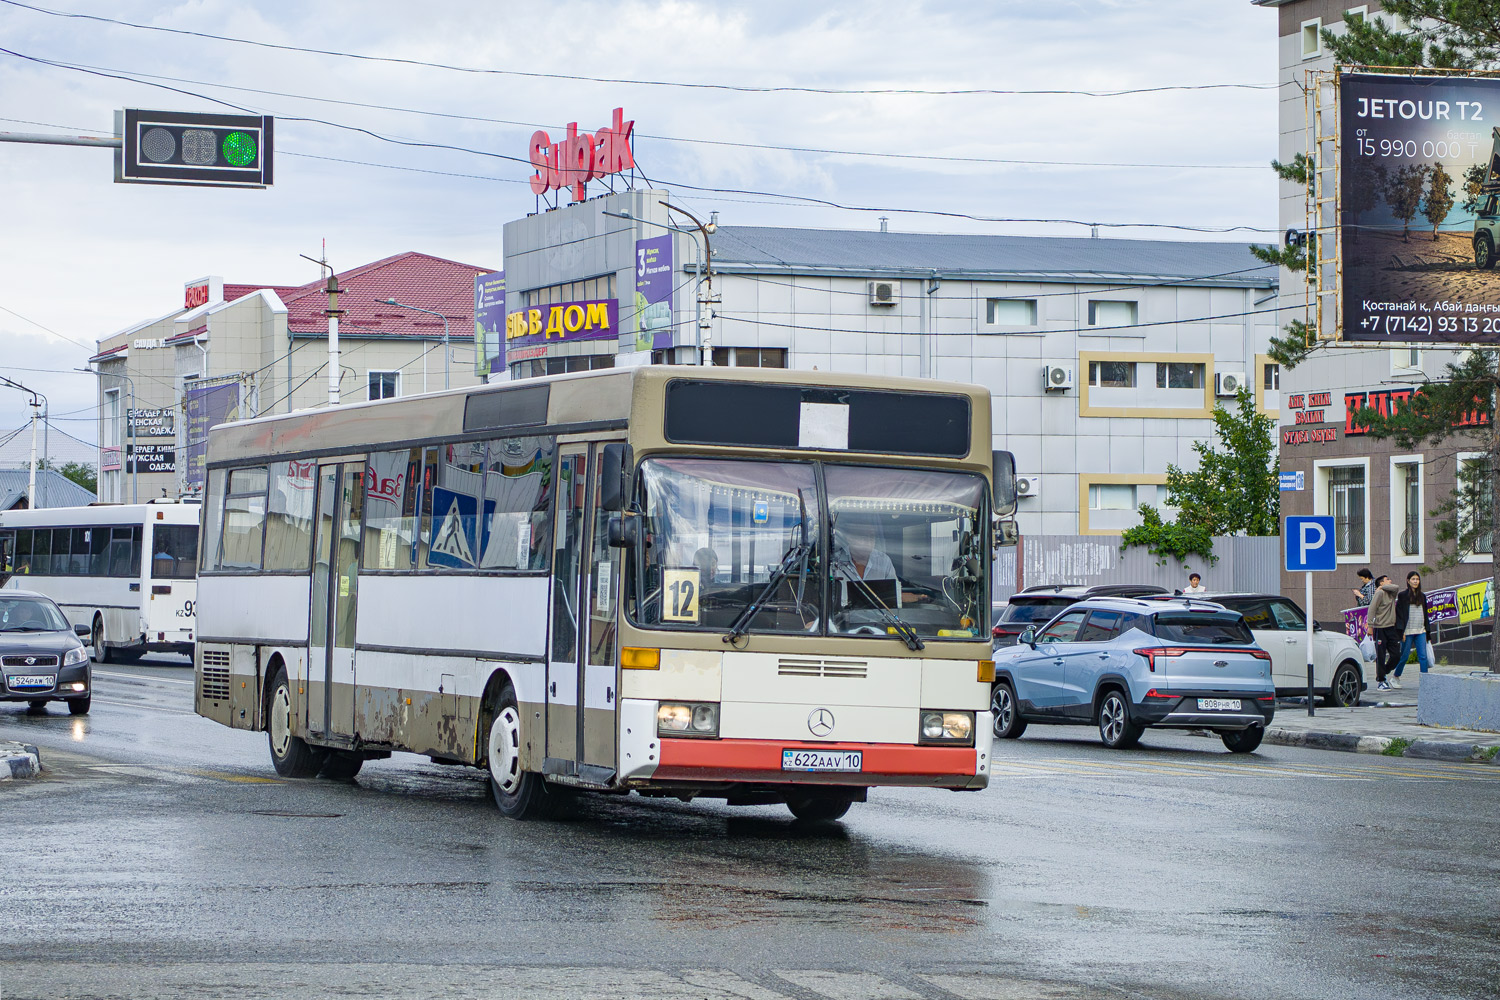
column 751, row 760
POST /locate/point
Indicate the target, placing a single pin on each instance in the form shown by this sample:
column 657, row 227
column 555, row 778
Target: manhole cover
column 294, row 815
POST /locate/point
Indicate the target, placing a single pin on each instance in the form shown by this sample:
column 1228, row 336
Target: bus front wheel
column 292, row 756
column 518, row 794
column 818, row 807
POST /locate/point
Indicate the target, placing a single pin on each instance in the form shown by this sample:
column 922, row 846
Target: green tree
column 79, row 472
column 1438, row 201
column 1403, row 193
column 1453, row 414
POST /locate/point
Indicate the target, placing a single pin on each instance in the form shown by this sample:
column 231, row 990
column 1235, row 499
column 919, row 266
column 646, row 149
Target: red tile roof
column 417, row 279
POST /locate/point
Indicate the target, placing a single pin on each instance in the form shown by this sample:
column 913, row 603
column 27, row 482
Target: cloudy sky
column 82, row 257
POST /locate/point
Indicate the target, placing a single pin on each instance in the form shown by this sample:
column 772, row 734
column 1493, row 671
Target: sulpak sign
column 578, row 158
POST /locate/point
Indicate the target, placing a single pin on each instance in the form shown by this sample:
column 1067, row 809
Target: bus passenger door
column 330, row 655
column 565, row 656
column 596, row 710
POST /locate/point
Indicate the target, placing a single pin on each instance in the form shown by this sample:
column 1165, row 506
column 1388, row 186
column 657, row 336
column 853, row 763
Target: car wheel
column 818, row 807
column 1115, row 726
column 1484, row 252
column 292, row 756
column 37, row 705
column 1243, row 740
column 518, row 794
column 102, row 652
column 1008, row 722
column 80, row 706
column 1343, row 690
column 341, row 767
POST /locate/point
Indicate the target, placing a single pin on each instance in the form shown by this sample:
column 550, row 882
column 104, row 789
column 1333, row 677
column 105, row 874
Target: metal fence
column 1245, row 564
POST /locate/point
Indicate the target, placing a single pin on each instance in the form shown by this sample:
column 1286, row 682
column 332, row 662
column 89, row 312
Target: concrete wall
column 1244, row 565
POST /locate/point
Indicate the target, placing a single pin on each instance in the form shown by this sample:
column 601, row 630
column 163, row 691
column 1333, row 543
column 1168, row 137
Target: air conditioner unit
column 882, row 293
column 1028, row 486
column 1228, row 383
column 1055, row 378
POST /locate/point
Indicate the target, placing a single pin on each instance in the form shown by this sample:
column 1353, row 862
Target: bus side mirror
column 1004, row 476
column 614, row 475
column 624, row 531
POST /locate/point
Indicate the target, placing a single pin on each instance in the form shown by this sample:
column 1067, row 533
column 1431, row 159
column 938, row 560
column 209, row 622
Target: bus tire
column 518, row 794
column 292, row 756
column 818, row 807
column 102, row 653
column 80, row 706
column 341, row 767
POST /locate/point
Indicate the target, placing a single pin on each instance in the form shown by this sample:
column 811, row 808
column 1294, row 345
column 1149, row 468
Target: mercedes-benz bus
column 127, row 571
column 762, row 586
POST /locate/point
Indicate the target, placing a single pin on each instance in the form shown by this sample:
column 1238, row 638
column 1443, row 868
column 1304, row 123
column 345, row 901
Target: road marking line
column 847, row 985
column 143, row 678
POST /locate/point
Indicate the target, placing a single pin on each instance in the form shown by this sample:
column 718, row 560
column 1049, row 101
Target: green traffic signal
column 239, row 149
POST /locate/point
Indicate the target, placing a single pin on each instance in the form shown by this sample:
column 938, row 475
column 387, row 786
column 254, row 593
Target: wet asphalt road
column 160, row 856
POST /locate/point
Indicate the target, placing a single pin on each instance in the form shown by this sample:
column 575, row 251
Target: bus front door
column 330, row 653
column 564, row 659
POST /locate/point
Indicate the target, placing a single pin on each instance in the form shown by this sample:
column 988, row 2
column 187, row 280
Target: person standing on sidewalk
column 1411, row 618
column 1366, row 589
column 1380, row 624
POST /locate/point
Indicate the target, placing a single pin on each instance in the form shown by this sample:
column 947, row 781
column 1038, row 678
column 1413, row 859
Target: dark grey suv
column 41, row 656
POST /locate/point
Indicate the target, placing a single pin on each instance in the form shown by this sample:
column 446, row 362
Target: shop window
column 1011, row 312
column 1112, row 374
column 1178, row 375
column 384, row 385
column 1346, row 502
column 1111, row 313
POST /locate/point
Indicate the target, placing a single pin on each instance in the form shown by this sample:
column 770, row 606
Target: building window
column 1111, row 496
column 1011, row 312
column 1356, row 13
column 1312, row 40
column 1406, row 360
column 1105, row 313
column 585, row 290
column 579, row 363
column 112, row 416
column 384, row 385
column 1346, row 502
column 1270, row 376
column 750, row 357
column 1475, row 493
column 1178, row 375
column 1113, row 374
column 1406, row 489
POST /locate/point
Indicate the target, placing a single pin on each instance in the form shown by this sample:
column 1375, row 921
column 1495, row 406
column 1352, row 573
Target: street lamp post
column 704, row 271
column 447, row 352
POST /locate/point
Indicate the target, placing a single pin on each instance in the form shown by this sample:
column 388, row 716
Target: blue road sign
column 1291, row 482
column 1309, row 545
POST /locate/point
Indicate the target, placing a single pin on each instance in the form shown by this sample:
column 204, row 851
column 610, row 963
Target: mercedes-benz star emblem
column 820, row 722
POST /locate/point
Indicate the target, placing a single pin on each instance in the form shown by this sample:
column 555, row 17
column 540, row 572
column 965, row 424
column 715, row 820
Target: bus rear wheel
column 101, row 651
column 819, row 807
column 292, row 756
column 518, row 794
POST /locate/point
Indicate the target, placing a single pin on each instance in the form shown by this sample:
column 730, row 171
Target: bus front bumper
column 715, row 761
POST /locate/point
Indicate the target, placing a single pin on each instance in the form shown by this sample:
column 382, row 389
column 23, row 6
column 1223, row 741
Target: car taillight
column 1259, row 654
column 1153, row 693
column 1152, row 653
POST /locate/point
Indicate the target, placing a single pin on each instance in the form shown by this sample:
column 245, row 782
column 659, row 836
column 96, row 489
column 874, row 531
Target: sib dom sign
column 578, row 158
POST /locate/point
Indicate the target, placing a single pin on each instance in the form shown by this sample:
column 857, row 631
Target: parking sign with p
column 1309, row 545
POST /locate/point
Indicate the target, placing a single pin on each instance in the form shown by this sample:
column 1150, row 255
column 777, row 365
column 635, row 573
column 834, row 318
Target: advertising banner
column 141, row 423
column 151, row 458
column 489, row 322
column 1419, row 190
column 1442, row 606
column 563, row 322
column 1475, row 601
column 653, row 293
column 205, row 408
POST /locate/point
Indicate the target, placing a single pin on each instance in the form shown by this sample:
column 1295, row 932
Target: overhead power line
column 739, row 88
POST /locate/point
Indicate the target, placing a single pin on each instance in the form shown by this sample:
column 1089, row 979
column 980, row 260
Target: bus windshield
column 723, row 536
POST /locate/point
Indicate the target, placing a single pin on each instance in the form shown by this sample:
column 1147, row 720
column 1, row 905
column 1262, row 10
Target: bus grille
column 797, row 667
column 215, row 675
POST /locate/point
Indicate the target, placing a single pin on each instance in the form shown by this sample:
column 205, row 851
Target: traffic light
column 206, row 150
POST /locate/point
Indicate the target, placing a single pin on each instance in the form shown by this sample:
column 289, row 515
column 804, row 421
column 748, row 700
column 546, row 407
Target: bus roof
column 166, row 511
column 582, row 402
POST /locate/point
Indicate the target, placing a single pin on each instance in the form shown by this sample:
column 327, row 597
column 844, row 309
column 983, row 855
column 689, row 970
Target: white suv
column 1280, row 629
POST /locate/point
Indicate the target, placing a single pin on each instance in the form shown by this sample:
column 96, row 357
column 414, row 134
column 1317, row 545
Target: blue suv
column 1123, row 665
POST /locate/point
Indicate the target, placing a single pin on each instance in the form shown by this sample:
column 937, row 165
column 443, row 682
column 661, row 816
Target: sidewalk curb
column 19, row 760
column 1350, row 743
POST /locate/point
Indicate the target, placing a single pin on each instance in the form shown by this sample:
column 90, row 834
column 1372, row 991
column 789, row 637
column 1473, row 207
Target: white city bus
column 747, row 584
column 127, row 571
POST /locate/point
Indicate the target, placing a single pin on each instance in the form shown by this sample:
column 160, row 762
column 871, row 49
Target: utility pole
column 705, row 297
column 335, row 373
column 35, row 406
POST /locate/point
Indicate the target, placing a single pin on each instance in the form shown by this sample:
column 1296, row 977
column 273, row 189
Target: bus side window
column 7, row 551
column 213, row 519
column 517, row 519
column 23, row 551
column 289, row 516
column 244, row 519
column 41, row 551
column 119, row 551
column 78, row 553
column 392, row 482
column 98, row 552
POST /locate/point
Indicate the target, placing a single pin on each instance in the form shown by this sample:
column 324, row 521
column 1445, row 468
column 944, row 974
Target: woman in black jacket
column 1412, row 620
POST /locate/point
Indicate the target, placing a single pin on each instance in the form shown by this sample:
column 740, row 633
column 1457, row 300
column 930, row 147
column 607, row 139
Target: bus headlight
column 690, row 718
column 947, row 727
column 74, row 656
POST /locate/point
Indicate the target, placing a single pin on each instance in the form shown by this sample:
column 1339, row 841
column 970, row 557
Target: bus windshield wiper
column 795, row 556
column 906, row 633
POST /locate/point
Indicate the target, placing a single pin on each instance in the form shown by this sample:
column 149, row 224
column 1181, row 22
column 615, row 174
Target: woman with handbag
column 1411, row 618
